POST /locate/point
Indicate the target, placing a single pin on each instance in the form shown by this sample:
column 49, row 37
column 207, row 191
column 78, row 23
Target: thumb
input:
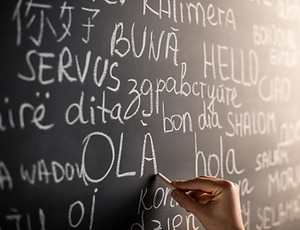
column 186, row 202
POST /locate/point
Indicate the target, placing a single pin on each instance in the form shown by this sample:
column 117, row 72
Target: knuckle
column 229, row 185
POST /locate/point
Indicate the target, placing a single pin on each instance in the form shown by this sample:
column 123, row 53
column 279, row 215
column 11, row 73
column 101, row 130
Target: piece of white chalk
column 165, row 180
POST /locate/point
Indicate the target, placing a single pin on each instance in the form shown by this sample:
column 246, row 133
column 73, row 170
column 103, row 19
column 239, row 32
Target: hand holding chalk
column 165, row 180
column 215, row 202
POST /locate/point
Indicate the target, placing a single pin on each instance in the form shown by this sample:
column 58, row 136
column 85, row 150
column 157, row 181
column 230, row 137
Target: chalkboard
column 98, row 96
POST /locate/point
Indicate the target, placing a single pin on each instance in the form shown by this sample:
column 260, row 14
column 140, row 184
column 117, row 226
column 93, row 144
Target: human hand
column 215, row 202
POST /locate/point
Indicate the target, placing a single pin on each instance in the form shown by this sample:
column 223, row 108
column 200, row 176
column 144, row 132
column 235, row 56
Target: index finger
column 206, row 184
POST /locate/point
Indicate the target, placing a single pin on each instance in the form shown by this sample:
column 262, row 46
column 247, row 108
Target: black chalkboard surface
column 98, row 96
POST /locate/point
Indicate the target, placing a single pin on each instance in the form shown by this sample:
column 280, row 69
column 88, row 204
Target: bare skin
column 215, row 202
